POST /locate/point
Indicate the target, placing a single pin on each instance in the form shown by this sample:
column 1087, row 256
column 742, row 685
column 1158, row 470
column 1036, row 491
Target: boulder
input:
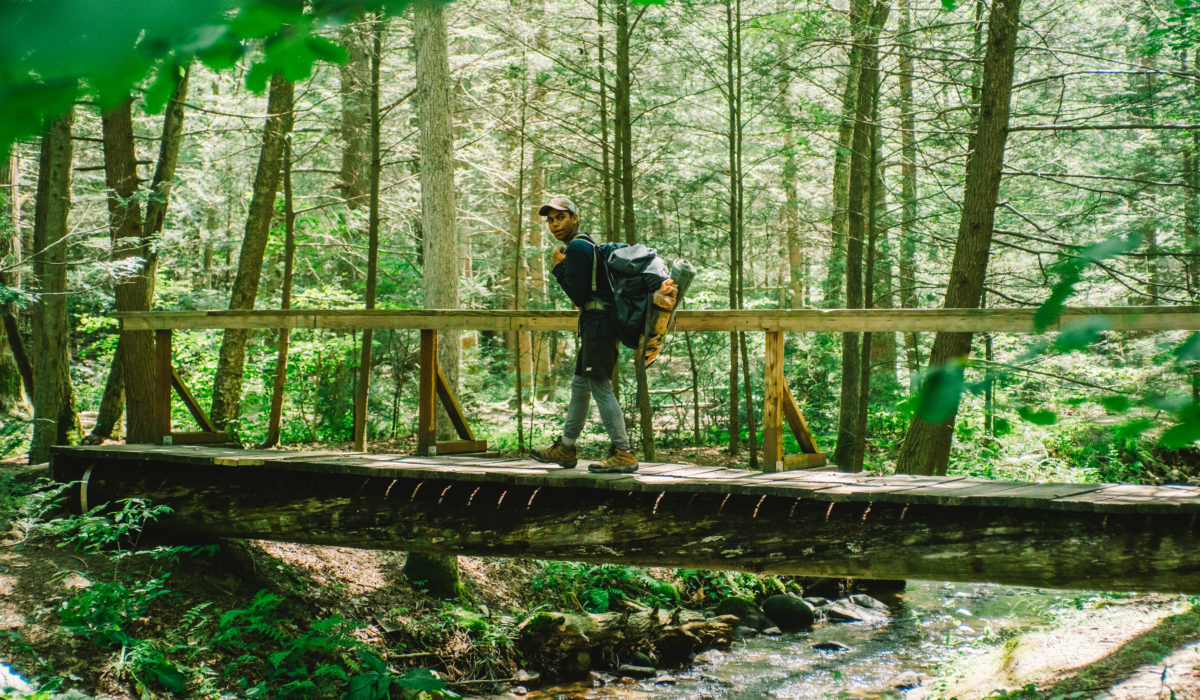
column 830, row 646
column 635, row 671
column 905, row 681
column 789, row 612
column 846, row 611
column 816, row 601
column 867, row 601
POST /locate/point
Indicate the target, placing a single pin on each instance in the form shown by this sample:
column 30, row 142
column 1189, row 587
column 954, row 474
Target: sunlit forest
column 276, row 154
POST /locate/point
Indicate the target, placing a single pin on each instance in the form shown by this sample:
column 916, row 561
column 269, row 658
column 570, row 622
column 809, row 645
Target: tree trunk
column 355, row 88
column 606, row 149
column 839, row 225
column 926, row 448
column 907, row 284
column 135, row 350
column 15, row 371
column 275, row 416
column 847, row 453
column 362, row 393
column 435, row 113
column 227, row 386
column 55, row 420
column 112, row 403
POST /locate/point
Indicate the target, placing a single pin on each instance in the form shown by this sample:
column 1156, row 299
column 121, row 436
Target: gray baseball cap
column 559, row 204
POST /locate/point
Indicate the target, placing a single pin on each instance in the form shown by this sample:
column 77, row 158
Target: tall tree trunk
column 135, row 350
column 907, row 286
column 16, row 373
column 624, row 129
column 839, row 224
column 361, row 399
column 847, row 453
column 55, row 420
column 355, row 88
column 112, row 402
column 275, row 415
column 435, row 113
column 606, row 148
column 926, row 448
column 734, row 264
column 227, row 386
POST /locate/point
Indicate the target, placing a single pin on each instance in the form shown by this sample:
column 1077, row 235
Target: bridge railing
column 779, row 404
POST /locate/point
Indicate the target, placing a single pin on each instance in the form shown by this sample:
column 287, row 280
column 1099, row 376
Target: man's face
column 563, row 224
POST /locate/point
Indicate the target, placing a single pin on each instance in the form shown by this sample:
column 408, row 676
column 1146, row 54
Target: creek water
column 933, row 626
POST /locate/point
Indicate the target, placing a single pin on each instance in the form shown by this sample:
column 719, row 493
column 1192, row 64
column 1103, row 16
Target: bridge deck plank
column 824, row 486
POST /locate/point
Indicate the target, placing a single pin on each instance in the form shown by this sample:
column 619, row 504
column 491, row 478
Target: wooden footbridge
column 802, row 522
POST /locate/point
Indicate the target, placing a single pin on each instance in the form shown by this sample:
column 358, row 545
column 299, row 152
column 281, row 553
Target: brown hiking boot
column 618, row 462
column 558, row 453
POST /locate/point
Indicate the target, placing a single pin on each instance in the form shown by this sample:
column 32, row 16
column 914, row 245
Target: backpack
column 646, row 292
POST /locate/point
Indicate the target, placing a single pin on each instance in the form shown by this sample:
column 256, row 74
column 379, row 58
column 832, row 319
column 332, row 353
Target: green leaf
column 1039, row 416
column 159, row 93
column 1132, row 428
column 1179, row 436
column 1082, row 333
column 1115, row 404
column 171, row 678
column 1189, row 350
column 949, row 5
column 420, row 679
column 326, row 49
column 940, row 393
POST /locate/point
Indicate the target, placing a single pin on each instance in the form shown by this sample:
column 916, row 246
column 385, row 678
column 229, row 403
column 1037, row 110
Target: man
column 581, row 274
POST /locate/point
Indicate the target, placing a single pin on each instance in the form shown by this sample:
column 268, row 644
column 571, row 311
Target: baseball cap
column 560, row 204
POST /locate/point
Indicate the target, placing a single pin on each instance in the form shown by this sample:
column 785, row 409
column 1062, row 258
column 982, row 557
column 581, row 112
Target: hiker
column 582, row 275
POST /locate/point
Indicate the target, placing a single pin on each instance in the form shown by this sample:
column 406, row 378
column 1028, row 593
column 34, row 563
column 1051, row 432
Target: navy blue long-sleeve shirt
column 574, row 273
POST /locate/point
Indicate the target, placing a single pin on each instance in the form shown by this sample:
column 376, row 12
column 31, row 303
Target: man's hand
column 560, row 254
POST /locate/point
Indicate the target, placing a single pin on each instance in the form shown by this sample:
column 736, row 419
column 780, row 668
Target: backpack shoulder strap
column 595, row 256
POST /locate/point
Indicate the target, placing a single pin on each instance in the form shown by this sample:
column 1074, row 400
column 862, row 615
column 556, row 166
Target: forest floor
column 1134, row 647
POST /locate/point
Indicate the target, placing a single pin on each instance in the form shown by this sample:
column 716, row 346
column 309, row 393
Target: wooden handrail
column 1118, row 318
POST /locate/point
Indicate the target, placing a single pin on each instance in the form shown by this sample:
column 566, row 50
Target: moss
column 437, row 574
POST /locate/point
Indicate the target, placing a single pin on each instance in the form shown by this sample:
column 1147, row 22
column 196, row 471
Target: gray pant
column 582, row 391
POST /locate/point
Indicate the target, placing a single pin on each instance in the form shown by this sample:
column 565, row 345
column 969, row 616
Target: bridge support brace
column 779, row 403
column 603, row 521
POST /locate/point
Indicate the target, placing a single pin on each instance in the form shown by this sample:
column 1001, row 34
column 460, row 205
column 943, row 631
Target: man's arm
column 574, row 273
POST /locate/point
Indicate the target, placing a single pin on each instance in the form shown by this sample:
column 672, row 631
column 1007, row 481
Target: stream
column 933, row 626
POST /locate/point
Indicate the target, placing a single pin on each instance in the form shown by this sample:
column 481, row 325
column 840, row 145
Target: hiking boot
column 557, row 453
column 618, row 462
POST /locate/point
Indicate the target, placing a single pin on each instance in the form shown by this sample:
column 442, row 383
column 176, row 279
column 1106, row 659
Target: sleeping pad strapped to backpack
column 646, row 292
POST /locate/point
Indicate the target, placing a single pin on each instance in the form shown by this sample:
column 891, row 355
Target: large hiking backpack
column 646, row 292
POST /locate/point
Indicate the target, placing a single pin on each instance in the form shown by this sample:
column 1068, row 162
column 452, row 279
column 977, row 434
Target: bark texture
column 435, row 111
column 947, row 538
column 55, row 420
column 134, row 290
column 926, row 448
column 227, row 386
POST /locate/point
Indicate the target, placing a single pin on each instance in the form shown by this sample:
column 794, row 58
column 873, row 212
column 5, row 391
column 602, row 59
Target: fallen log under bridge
column 812, row 523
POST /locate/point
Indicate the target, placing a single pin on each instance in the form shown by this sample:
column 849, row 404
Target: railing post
column 773, row 391
column 427, row 395
column 162, row 385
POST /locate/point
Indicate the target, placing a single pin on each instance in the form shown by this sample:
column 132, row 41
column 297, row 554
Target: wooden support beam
column 205, row 437
column 193, row 406
column 799, row 426
column 163, row 370
column 808, row 460
column 454, row 447
column 453, row 409
column 427, row 393
column 773, row 390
